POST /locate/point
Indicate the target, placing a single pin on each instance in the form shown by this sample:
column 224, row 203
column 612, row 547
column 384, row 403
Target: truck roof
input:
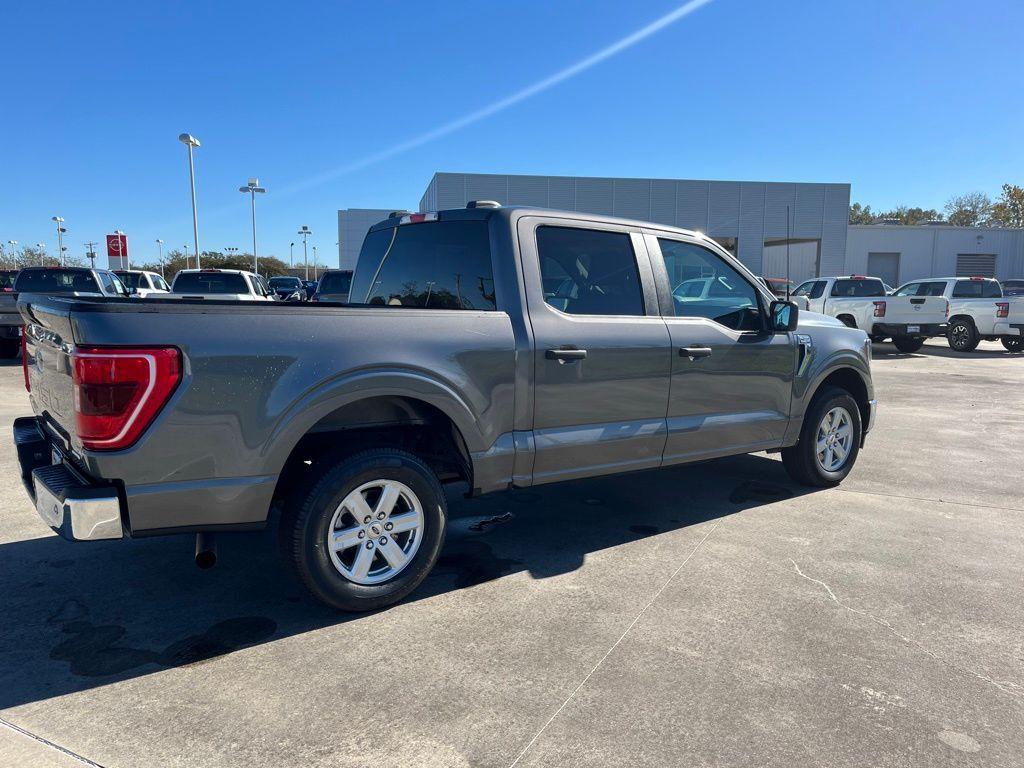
column 516, row 211
column 215, row 269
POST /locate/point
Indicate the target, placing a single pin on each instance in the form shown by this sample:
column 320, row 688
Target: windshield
column 335, row 282
column 56, row 280
column 209, row 282
column 131, row 279
column 286, row 282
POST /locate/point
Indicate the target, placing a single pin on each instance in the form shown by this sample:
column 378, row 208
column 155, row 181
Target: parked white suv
column 219, row 284
column 142, row 283
column 977, row 310
column 862, row 302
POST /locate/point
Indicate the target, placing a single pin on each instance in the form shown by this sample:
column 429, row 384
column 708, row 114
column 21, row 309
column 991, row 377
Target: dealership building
column 749, row 218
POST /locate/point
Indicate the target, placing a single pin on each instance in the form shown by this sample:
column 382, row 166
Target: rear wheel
column 829, row 440
column 1013, row 343
column 368, row 532
column 962, row 335
column 908, row 344
column 9, row 348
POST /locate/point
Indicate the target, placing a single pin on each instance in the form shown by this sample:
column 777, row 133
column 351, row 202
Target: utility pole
column 253, row 188
column 91, row 254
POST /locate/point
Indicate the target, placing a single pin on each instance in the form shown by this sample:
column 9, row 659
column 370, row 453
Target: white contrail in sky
column 502, row 104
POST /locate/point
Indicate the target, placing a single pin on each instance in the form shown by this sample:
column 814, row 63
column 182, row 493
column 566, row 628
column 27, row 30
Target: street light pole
column 40, row 247
column 12, row 243
column 314, row 263
column 191, row 142
column 186, row 255
column 291, row 256
column 253, row 188
column 58, row 220
column 305, row 232
column 160, row 258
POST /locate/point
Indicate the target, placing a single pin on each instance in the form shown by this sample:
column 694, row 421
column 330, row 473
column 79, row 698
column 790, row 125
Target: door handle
column 695, row 353
column 565, row 354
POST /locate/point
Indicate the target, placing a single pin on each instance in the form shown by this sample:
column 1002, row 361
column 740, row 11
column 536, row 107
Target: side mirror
column 784, row 316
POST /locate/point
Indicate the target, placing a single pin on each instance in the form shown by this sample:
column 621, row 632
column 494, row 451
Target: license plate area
column 913, row 329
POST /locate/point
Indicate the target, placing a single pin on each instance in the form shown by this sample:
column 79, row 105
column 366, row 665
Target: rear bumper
column 72, row 505
column 904, row 329
column 1003, row 328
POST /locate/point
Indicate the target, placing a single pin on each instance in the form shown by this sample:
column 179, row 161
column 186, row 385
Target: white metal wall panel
column 632, row 198
column 663, row 201
column 595, row 196
column 803, row 258
column 750, row 232
column 481, row 186
column 451, row 191
column 562, row 193
column 692, row 205
column 885, row 265
column 776, row 200
column 810, row 210
column 724, row 208
column 528, row 190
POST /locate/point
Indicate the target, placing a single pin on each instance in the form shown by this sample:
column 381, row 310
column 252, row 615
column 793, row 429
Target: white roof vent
column 483, row 204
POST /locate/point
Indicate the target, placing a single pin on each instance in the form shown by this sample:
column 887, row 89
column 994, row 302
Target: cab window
column 589, row 272
column 706, row 285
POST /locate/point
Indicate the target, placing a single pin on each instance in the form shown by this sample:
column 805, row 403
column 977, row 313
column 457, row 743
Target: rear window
column 209, row 282
column 858, row 287
column 977, row 289
column 335, row 282
column 434, row 265
column 56, row 281
column 132, row 279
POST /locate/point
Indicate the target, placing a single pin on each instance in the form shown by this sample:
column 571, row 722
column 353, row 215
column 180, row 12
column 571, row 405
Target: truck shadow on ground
column 78, row 616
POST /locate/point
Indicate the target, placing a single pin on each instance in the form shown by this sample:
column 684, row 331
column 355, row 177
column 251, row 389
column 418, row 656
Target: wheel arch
column 850, row 380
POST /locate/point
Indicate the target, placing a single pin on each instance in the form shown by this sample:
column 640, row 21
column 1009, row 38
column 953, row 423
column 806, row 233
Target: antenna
column 787, row 253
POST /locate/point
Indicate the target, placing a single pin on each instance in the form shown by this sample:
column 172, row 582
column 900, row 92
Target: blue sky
column 910, row 102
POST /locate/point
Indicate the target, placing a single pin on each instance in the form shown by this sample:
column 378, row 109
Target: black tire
column 1013, row 343
column 801, row 461
column 908, row 344
column 304, row 528
column 962, row 336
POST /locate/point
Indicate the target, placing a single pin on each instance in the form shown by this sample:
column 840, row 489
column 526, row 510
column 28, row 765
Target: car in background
column 288, row 288
column 334, row 285
column 778, row 287
column 861, row 301
column 219, row 284
column 70, row 281
column 1013, row 287
column 978, row 310
column 141, row 283
column 310, row 286
column 10, row 320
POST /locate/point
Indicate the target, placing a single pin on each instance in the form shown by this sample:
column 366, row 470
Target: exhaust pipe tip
column 206, row 550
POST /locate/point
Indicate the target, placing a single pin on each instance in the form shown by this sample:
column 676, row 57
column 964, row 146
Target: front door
column 601, row 350
column 731, row 379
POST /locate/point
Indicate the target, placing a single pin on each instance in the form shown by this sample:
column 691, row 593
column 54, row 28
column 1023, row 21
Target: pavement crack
column 51, row 745
column 1006, row 686
column 968, row 504
column 614, row 645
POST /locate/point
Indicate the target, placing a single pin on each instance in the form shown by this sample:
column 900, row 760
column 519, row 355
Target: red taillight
column 120, row 390
column 24, row 360
column 1002, row 309
column 879, row 308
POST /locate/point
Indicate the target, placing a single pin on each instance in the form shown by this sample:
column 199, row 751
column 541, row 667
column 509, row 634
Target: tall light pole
column 12, row 243
column 91, row 254
column 186, row 256
column 122, row 241
column 58, row 220
column 253, row 188
column 160, row 258
column 291, row 256
column 314, row 263
column 192, row 142
column 305, row 232
column 40, row 247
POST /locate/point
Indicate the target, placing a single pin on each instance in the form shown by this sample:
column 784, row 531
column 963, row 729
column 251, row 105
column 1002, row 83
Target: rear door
column 601, row 350
column 732, row 380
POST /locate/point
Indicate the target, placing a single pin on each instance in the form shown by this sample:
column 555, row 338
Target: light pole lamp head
column 160, row 241
column 58, row 219
column 188, row 140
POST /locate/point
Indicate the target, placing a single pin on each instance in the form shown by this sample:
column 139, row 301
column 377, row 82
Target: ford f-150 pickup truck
column 977, row 310
column 861, row 302
column 495, row 347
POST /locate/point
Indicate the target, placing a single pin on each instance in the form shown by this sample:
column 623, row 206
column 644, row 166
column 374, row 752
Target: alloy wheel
column 834, row 439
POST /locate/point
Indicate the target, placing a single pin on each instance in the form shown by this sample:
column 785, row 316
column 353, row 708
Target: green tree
column 1008, row 210
column 970, row 210
column 910, row 216
column 175, row 261
column 861, row 214
column 35, row 257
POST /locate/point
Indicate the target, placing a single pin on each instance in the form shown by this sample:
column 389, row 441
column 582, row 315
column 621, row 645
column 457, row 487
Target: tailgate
column 49, row 341
column 9, row 309
column 915, row 309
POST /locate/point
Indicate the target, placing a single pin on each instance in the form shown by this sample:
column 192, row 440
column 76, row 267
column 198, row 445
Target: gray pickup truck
column 493, row 347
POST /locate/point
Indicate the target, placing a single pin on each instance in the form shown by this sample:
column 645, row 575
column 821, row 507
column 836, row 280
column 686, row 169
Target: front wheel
column 1013, row 343
column 368, row 532
column 829, row 440
column 908, row 344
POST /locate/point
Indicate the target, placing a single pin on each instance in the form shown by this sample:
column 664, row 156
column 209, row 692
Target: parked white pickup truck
column 977, row 310
column 861, row 302
column 219, row 284
column 142, row 284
